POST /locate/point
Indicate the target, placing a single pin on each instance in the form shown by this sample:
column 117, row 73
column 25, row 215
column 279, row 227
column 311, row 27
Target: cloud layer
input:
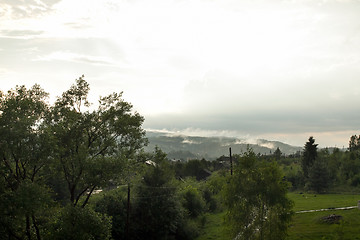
column 260, row 68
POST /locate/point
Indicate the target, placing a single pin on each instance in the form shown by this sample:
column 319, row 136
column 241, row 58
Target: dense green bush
column 76, row 223
column 193, row 201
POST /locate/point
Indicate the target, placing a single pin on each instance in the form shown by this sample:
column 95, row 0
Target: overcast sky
column 279, row 70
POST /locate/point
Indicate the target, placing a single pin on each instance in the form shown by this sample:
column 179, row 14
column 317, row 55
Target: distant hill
column 210, row 148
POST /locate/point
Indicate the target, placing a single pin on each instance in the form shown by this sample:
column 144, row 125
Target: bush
column 193, row 201
column 114, row 204
column 81, row 224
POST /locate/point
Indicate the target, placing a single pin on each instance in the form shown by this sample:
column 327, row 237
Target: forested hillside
column 210, row 148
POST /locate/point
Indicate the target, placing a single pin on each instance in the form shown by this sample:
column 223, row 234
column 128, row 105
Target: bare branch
column 88, row 197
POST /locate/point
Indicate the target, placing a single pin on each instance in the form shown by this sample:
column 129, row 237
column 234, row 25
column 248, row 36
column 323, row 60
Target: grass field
column 322, row 201
column 214, row 228
column 306, row 225
column 310, row 226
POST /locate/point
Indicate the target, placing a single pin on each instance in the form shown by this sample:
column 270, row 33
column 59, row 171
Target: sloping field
column 306, row 225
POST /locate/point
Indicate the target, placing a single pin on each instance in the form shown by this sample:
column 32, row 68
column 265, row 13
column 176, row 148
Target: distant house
column 151, row 163
column 224, row 161
column 175, row 160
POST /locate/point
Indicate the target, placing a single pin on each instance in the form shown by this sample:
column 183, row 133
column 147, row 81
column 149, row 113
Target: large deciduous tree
column 91, row 145
column 258, row 207
column 24, row 151
column 72, row 143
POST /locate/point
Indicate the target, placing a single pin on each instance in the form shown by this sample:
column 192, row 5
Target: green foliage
column 277, row 154
column 25, row 211
column 216, row 182
column 114, row 204
column 193, row 201
column 210, row 199
column 80, row 224
column 193, row 168
column 354, row 143
column 349, row 168
column 258, row 207
column 214, row 188
column 91, row 145
column 24, row 151
column 309, row 156
column 294, row 175
column 68, row 147
column 157, row 210
column 318, row 176
column 24, row 147
column 188, row 230
column 333, row 163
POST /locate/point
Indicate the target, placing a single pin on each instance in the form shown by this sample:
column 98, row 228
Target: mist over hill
column 210, row 148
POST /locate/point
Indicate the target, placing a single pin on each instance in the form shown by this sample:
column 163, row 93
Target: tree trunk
column 28, row 232
column 38, row 237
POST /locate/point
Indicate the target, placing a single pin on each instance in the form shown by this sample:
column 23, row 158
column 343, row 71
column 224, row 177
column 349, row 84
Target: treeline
column 55, row 158
column 323, row 170
column 156, row 203
column 73, row 170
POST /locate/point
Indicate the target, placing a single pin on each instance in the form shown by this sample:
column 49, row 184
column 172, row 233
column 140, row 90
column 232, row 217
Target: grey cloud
column 20, row 33
column 91, row 60
column 74, row 57
column 19, row 55
column 265, row 122
column 45, row 46
column 28, row 8
column 76, row 25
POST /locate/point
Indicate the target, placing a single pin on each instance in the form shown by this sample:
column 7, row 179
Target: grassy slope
column 309, row 226
column 322, row 201
column 306, row 225
column 214, row 228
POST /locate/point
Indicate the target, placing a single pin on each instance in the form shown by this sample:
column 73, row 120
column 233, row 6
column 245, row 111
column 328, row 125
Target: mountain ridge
column 179, row 146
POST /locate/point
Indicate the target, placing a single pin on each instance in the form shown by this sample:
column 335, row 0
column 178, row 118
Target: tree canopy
column 90, row 145
column 69, row 142
column 258, row 207
column 309, row 156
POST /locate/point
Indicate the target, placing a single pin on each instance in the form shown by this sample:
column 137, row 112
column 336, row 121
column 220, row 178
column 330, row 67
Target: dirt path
column 327, row 209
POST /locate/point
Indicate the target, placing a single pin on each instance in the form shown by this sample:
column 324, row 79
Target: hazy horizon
column 277, row 69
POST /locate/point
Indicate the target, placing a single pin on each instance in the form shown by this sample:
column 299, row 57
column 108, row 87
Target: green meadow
column 305, row 225
column 322, row 201
column 310, row 225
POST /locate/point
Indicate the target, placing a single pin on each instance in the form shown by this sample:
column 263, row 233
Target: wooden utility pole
column 128, row 213
column 231, row 164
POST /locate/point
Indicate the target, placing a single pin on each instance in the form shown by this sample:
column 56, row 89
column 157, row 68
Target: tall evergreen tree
column 354, row 143
column 277, row 153
column 309, row 156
